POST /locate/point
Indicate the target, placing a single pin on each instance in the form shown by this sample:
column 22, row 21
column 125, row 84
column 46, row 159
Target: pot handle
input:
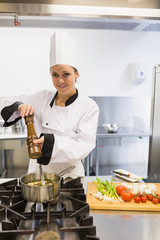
column 62, row 173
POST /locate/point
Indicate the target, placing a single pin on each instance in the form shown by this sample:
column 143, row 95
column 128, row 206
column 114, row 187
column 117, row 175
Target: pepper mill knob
column 34, row 150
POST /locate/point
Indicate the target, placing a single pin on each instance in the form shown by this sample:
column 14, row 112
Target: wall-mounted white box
column 138, row 73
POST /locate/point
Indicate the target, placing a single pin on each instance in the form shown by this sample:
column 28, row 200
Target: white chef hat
column 63, row 50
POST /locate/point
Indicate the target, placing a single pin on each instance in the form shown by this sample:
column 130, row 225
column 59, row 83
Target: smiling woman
column 65, row 121
column 64, row 78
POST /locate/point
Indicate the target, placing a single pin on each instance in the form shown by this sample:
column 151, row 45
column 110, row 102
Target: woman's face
column 63, row 77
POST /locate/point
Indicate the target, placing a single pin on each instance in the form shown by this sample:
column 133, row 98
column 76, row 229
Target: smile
column 62, row 86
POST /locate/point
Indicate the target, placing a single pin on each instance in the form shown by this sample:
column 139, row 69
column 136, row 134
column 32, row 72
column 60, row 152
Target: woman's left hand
column 39, row 141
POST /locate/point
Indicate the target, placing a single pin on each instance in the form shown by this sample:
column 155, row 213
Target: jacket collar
column 69, row 100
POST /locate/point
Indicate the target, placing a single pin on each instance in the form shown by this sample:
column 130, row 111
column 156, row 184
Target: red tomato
column 143, row 198
column 159, row 198
column 126, row 195
column 120, row 188
column 150, row 197
column 155, row 200
column 137, row 199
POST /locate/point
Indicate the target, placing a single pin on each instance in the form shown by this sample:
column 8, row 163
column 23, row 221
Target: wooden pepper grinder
column 34, row 150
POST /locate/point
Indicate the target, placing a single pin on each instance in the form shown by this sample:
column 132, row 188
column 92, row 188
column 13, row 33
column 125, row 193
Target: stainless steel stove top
column 22, row 220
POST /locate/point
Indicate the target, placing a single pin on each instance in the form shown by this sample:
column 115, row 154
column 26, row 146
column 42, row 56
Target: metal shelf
column 122, row 132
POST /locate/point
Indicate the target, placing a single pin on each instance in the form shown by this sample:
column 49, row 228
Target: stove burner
column 69, row 216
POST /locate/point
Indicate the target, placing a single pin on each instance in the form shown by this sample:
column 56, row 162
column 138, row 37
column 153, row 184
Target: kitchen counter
column 103, row 138
column 12, row 141
column 122, row 225
column 101, row 132
column 16, row 141
column 5, row 136
column 9, row 141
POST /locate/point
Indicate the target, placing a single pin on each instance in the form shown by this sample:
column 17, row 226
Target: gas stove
column 67, row 219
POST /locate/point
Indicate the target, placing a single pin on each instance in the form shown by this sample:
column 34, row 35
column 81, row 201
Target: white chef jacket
column 69, row 132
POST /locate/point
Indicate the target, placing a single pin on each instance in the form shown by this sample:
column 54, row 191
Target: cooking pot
column 42, row 194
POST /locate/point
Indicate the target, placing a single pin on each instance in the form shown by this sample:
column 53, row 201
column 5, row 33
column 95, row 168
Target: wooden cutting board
column 95, row 203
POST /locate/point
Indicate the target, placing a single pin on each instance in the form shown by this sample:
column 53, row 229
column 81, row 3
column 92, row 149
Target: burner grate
column 16, row 212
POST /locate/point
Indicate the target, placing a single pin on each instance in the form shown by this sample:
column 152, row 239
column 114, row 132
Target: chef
column 65, row 120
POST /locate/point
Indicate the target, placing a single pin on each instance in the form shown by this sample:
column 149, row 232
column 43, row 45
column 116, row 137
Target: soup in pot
column 39, row 182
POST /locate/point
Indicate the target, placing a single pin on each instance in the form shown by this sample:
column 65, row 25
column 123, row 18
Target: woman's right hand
column 25, row 110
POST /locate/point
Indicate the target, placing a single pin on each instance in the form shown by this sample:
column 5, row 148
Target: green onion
column 107, row 189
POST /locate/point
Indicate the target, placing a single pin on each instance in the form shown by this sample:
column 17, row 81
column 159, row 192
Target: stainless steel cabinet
column 131, row 143
column 14, row 155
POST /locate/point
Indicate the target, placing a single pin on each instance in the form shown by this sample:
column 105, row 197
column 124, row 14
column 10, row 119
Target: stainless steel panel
column 74, row 22
column 118, row 15
column 130, row 145
column 154, row 149
column 16, row 162
column 123, row 110
column 120, row 3
column 9, row 144
column 14, row 157
column 113, row 3
column 124, row 225
column 2, row 161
